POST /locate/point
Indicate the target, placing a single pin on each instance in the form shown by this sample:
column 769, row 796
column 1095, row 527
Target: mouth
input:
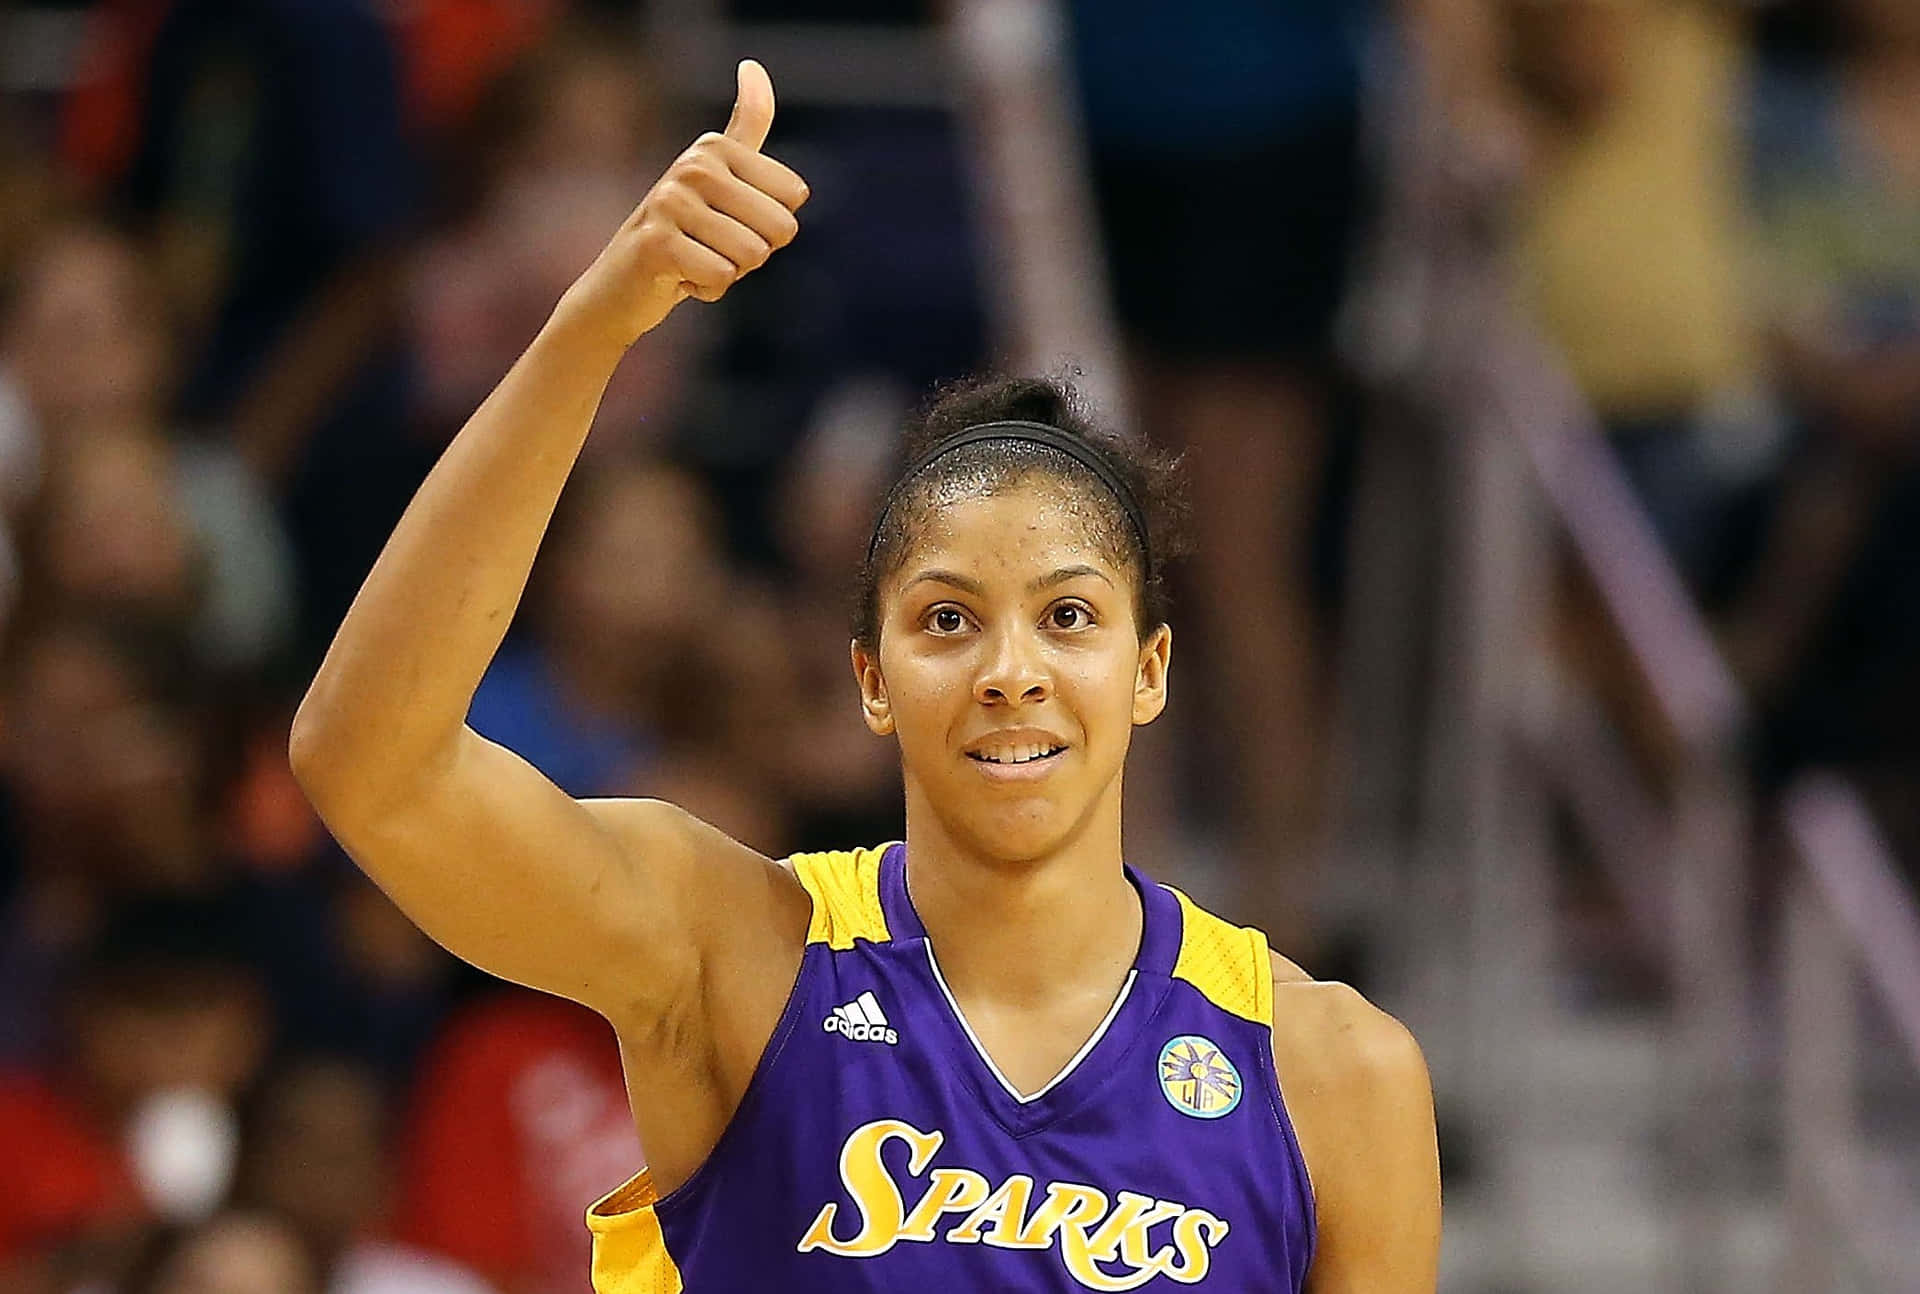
column 1018, row 755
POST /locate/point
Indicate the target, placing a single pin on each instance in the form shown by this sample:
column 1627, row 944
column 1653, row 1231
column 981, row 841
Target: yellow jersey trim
column 1230, row 964
column 629, row 1250
column 845, row 888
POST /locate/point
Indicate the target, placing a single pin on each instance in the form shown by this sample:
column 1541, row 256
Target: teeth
column 1017, row 754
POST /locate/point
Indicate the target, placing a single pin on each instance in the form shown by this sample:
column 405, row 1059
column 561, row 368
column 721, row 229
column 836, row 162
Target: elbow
column 322, row 753
column 310, row 750
column 354, row 769
column 330, row 772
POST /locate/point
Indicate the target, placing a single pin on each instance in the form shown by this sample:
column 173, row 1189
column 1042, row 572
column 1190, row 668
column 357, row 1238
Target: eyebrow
column 974, row 588
column 1066, row 573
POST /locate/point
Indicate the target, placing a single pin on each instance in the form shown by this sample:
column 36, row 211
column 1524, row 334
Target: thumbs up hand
column 717, row 213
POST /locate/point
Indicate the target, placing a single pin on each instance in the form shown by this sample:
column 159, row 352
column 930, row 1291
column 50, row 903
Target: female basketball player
column 992, row 1058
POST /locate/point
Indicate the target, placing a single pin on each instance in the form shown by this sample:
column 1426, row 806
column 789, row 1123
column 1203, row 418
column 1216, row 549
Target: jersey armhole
column 637, row 1201
column 629, row 1246
column 844, row 888
column 1296, row 1155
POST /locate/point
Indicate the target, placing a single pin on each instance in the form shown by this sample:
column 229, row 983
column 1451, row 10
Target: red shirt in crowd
column 64, row 1175
column 519, row 1122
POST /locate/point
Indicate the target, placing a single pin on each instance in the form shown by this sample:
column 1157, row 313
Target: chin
column 1015, row 827
column 1021, row 833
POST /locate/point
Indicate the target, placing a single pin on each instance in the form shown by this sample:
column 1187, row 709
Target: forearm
column 392, row 695
column 389, row 704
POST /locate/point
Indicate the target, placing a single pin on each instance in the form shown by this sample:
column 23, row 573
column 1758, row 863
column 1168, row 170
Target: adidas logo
column 862, row 1020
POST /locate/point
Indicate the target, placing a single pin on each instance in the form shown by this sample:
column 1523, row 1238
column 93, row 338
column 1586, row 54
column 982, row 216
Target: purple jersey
column 878, row 1148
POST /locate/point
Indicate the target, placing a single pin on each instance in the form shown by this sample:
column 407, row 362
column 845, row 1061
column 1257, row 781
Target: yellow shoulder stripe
column 1228, row 963
column 629, row 1252
column 845, row 888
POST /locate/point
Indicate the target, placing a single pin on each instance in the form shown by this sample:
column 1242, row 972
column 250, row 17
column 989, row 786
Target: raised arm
column 604, row 902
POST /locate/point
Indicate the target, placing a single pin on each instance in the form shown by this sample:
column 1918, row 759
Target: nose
column 1012, row 670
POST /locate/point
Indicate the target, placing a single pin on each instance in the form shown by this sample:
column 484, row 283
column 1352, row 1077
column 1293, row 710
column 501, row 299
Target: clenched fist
column 720, row 210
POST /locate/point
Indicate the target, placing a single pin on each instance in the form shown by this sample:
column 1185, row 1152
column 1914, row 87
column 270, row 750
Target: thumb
column 752, row 106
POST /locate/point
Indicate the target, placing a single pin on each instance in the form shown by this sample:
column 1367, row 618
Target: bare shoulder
column 1357, row 1093
column 1350, row 1073
column 1329, row 1027
column 1341, row 1026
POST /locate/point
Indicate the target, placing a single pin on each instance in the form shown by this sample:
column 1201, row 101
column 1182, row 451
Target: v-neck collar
column 1094, row 1063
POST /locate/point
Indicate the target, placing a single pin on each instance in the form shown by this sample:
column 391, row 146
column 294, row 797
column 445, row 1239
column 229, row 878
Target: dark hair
column 1151, row 475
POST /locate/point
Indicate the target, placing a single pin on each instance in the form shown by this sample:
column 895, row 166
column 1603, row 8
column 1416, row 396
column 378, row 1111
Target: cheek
column 1100, row 692
column 924, row 692
column 1116, row 710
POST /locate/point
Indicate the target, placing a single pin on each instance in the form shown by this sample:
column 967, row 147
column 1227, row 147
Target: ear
column 1150, row 680
column 874, row 706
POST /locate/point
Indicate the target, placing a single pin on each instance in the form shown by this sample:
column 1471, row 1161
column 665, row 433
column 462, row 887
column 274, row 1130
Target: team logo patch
column 1197, row 1078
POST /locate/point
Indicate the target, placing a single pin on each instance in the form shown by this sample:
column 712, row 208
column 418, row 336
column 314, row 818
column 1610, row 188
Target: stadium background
column 1552, row 374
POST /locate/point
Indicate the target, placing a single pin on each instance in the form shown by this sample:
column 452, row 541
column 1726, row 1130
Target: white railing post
column 1046, row 282
column 1816, row 1081
column 1708, row 955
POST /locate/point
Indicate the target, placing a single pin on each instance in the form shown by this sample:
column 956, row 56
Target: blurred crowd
column 1715, row 224
column 260, row 258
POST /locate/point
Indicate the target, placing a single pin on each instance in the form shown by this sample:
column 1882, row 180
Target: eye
column 946, row 619
column 1069, row 615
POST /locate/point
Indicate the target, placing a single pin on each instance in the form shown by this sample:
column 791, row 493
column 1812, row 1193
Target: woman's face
column 1012, row 672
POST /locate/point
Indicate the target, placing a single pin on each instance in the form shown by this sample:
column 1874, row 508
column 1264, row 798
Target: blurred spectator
column 639, row 664
column 1226, row 155
column 519, row 1122
column 843, row 784
column 351, row 975
column 566, row 144
column 164, row 1027
column 272, row 177
column 130, row 520
column 317, row 1154
column 1630, row 248
column 112, row 539
column 718, row 704
column 234, row 1253
column 86, row 342
column 107, row 781
column 455, row 50
column 1832, row 617
column 621, row 577
column 714, row 678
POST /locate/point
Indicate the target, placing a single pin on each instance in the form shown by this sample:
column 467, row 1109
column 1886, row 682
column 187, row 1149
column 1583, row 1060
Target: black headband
column 1036, row 433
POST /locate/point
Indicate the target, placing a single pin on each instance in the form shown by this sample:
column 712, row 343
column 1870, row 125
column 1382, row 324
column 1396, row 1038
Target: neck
column 1023, row 933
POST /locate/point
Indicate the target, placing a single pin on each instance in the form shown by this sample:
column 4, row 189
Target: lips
column 1015, row 751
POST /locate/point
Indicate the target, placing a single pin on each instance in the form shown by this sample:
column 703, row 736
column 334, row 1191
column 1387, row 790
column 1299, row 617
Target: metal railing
column 1049, row 301
column 1484, row 454
column 1850, row 922
column 1707, row 830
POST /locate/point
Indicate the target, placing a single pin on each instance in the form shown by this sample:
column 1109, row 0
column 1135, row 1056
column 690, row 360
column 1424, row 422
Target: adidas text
column 861, row 1020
